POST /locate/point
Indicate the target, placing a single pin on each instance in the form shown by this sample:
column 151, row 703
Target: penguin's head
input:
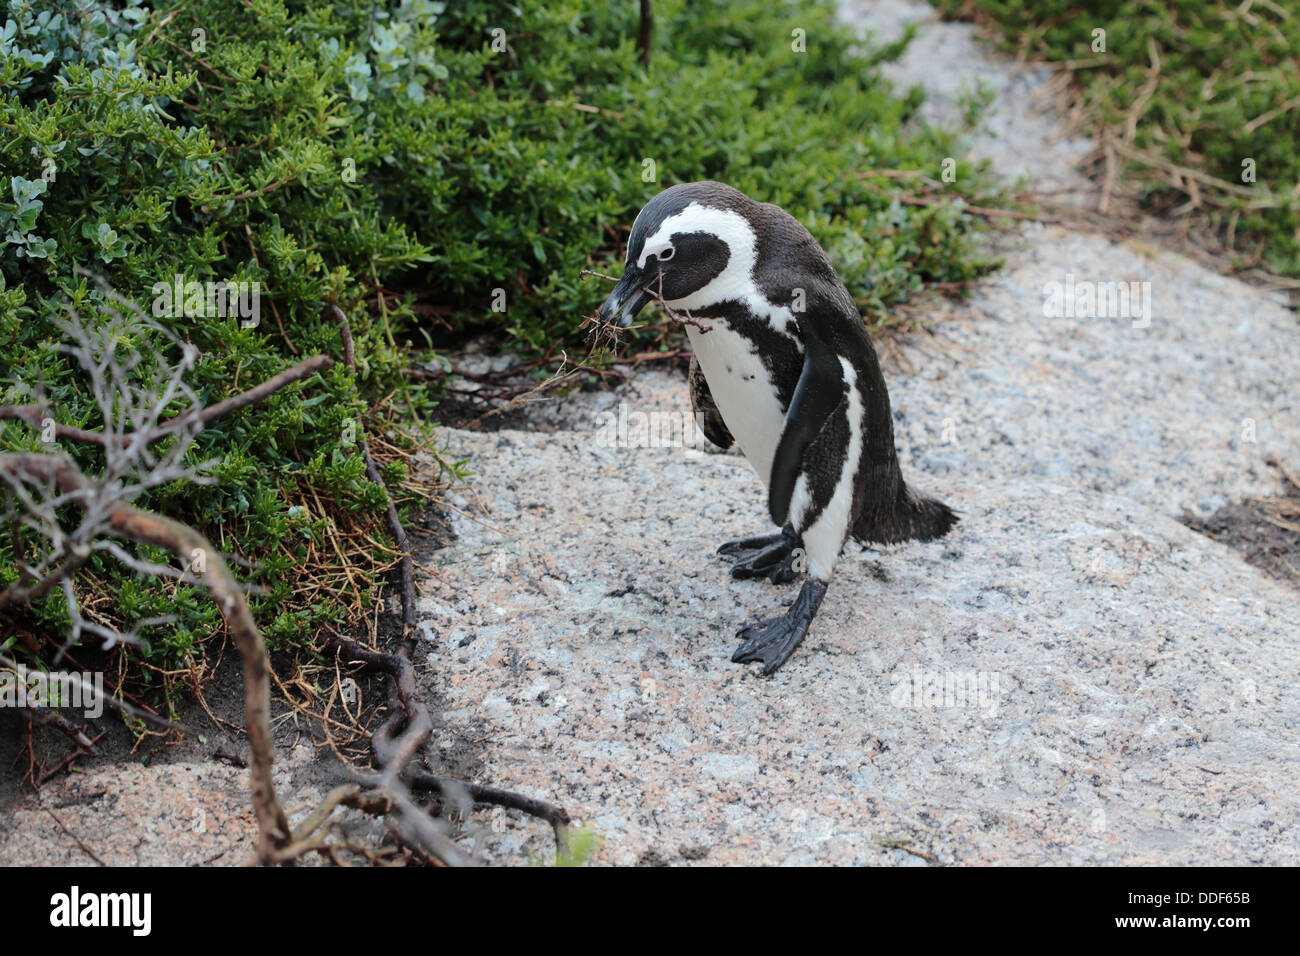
column 687, row 245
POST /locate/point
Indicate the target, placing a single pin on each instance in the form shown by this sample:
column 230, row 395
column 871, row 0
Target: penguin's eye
column 666, row 254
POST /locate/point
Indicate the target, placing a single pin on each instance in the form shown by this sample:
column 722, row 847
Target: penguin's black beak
column 628, row 298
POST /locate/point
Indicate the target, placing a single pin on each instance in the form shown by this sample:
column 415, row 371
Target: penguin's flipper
column 706, row 409
column 772, row 642
column 819, row 392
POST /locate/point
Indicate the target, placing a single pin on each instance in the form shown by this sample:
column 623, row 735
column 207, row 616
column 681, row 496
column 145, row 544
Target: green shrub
column 402, row 160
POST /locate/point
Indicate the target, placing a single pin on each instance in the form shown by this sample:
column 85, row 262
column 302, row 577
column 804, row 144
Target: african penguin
column 782, row 367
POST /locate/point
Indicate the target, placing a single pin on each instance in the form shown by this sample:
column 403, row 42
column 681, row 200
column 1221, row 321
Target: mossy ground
column 1195, row 106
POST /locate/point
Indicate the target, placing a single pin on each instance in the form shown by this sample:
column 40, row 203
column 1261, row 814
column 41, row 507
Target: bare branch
column 138, row 525
column 32, row 414
column 393, row 750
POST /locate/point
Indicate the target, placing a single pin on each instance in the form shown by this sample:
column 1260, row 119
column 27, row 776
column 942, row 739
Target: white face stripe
column 627, row 256
column 731, row 227
column 652, row 250
column 736, row 281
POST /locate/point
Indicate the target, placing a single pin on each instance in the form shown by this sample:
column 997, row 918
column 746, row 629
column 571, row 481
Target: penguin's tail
column 911, row 517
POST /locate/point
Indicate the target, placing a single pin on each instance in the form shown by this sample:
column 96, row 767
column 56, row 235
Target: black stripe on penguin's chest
column 825, row 458
column 779, row 353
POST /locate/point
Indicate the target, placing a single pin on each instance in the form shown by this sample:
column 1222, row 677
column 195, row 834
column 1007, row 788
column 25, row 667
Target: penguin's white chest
column 743, row 390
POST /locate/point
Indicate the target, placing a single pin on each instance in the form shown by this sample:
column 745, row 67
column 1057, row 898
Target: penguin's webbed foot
column 778, row 556
column 772, row 642
column 757, row 543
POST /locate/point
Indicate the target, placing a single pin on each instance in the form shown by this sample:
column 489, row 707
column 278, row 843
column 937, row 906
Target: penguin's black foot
column 758, row 543
column 772, row 642
column 777, row 557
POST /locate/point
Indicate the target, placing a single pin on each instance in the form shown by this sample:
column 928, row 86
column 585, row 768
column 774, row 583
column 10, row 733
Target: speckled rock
column 173, row 815
column 1073, row 676
column 194, row 813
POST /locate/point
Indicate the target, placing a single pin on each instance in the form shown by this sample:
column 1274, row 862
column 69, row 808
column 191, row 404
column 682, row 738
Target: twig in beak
column 606, row 333
column 601, row 334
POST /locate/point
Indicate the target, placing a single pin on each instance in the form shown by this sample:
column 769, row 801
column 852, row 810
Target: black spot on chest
column 779, row 353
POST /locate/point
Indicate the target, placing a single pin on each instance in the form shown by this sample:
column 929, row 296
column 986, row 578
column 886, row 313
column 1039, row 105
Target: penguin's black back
column 789, row 258
column 886, row 510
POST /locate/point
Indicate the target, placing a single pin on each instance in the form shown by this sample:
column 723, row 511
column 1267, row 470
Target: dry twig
column 39, row 485
column 408, row 727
